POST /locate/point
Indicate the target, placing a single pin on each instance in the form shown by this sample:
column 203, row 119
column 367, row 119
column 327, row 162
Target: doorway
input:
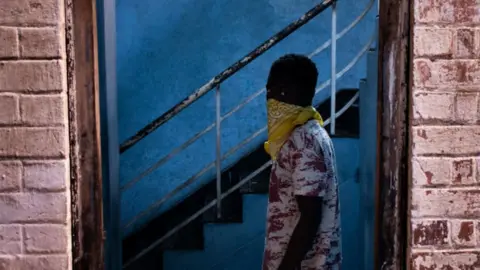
column 391, row 225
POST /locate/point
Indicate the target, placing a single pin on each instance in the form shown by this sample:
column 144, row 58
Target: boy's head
column 292, row 80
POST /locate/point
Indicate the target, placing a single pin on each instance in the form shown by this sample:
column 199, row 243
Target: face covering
column 282, row 120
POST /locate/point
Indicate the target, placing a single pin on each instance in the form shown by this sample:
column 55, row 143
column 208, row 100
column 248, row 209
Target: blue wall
column 167, row 49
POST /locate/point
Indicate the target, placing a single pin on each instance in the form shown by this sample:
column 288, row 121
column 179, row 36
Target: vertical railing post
column 333, row 79
column 218, row 160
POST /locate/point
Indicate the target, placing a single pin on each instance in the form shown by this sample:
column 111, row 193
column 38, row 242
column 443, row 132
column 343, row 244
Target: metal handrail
column 152, row 126
column 345, row 30
column 215, row 83
column 231, row 151
column 223, row 195
column 182, row 147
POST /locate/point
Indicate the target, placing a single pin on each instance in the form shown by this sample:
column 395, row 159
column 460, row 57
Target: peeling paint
column 463, row 171
column 430, row 233
column 394, row 48
column 446, row 261
column 466, row 231
column 392, row 79
column 422, row 133
column 429, row 176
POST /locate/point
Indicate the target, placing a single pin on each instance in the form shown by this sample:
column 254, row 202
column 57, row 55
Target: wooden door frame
column 394, row 84
column 85, row 152
column 93, row 143
column 84, row 80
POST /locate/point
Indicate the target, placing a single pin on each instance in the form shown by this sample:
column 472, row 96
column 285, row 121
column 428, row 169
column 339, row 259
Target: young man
column 303, row 220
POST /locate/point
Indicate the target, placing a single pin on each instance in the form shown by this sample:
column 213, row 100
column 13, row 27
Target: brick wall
column 445, row 164
column 34, row 186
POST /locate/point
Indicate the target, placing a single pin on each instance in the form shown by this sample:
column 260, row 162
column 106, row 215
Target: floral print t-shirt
column 305, row 166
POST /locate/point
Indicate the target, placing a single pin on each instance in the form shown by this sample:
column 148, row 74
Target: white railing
column 219, row 118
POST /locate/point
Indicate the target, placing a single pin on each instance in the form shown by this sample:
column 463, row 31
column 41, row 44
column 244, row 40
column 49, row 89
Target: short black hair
column 296, row 76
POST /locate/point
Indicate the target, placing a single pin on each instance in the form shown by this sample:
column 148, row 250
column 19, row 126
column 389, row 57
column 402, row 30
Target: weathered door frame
column 85, row 152
column 392, row 149
column 94, row 143
column 90, row 44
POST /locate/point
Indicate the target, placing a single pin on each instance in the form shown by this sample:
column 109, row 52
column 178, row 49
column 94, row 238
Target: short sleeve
column 309, row 173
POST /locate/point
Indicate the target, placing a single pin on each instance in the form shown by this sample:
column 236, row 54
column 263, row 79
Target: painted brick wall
column 445, row 164
column 34, row 186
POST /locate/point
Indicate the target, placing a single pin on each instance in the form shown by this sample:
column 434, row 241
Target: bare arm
column 304, row 233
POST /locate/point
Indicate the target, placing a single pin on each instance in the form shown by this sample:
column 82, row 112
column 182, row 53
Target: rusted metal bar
column 152, row 126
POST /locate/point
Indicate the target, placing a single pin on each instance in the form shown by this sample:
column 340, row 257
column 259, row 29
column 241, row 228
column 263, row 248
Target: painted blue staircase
column 240, row 246
column 208, row 242
column 235, row 241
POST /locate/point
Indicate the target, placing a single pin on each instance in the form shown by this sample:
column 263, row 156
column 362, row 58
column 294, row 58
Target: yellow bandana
column 282, row 120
